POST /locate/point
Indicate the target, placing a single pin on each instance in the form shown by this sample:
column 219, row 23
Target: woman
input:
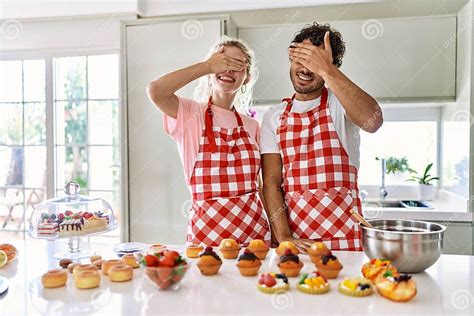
column 217, row 145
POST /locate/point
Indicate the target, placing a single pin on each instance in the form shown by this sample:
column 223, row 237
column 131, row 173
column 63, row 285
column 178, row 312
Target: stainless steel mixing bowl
column 412, row 246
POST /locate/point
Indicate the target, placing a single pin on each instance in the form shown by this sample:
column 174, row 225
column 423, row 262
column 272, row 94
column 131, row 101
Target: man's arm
column 275, row 202
column 361, row 108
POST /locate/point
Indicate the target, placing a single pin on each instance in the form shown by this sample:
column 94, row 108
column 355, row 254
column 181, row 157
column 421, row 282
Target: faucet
column 382, row 191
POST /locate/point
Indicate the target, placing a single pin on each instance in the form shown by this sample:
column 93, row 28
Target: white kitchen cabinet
column 395, row 58
column 156, row 197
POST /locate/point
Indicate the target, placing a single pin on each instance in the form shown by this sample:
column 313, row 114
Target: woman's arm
column 161, row 91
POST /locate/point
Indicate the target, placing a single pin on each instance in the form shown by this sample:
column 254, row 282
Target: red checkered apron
column 224, row 187
column 319, row 182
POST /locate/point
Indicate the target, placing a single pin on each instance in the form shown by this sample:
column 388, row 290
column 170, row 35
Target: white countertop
column 447, row 287
column 447, row 208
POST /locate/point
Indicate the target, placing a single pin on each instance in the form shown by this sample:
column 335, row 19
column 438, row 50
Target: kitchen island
column 445, row 288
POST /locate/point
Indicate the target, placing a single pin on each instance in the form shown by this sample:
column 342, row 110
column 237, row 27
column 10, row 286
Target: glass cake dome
column 72, row 215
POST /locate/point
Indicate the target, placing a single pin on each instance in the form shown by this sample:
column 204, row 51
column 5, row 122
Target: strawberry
column 166, row 262
column 61, row 216
column 87, row 215
column 68, row 213
column 173, row 255
column 261, row 279
column 150, row 260
column 269, row 280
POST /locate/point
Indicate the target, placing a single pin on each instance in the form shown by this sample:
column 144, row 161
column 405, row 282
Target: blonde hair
column 242, row 100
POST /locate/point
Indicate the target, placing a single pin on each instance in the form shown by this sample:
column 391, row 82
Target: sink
column 410, row 204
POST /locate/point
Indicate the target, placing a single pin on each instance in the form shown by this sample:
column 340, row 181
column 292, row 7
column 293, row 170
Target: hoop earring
column 245, row 88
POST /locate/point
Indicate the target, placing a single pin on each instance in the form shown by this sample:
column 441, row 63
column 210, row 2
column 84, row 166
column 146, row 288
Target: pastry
column 273, row 283
column 317, row 250
column 3, row 258
column 290, row 264
column 286, row 245
column 192, row 251
column 130, row 260
column 259, row 248
column 54, row 278
column 98, row 263
column 156, row 248
column 94, row 224
column 229, row 248
column 313, row 283
column 356, row 286
column 329, row 266
column 71, row 266
column 375, row 269
column 83, row 267
column 64, row 263
column 120, row 273
column 396, row 287
column 10, row 251
column 107, row 264
column 47, row 228
column 95, row 258
column 87, row 279
column 209, row 262
column 71, row 227
column 248, row 263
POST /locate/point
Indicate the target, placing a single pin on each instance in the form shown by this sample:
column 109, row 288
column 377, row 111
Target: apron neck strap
column 209, row 124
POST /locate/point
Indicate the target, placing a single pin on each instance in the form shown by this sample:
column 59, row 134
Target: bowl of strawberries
column 165, row 269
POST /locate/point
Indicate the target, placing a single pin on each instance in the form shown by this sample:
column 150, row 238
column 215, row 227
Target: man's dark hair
column 315, row 33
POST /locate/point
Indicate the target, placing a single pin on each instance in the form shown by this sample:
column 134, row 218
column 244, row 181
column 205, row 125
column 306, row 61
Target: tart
column 273, row 283
column 286, row 245
column 259, row 248
column 329, row 266
column 10, row 251
column 248, row 263
column 376, row 268
column 209, row 262
column 396, row 287
column 313, row 283
column 290, row 264
column 229, row 248
column 356, row 286
column 193, row 251
column 317, row 250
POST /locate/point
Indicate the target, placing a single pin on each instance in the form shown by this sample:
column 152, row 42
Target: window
column 417, row 141
column 22, row 141
column 84, row 106
column 87, row 116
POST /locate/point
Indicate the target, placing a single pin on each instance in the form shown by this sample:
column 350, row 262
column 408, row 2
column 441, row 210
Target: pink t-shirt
column 187, row 129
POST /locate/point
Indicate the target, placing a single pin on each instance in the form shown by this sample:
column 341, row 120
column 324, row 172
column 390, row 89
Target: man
column 310, row 146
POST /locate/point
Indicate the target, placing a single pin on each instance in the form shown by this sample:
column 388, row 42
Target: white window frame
column 48, row 56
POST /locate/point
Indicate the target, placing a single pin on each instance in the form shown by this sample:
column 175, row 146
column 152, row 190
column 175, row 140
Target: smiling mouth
column 304, row 77
column 225, row 79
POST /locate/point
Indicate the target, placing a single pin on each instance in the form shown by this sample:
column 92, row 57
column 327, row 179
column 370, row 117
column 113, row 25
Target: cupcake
column 248, row 263
column 356, row 286
column 376, row 268
column 209, row 262
column 193, row 251
column 317, row 250
column 313, row 283
column 273, row 283
column 329, row 266
column 229, row 248
column 290, row 264
column 286, row 245
column 259, row 248
column 396, row 287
